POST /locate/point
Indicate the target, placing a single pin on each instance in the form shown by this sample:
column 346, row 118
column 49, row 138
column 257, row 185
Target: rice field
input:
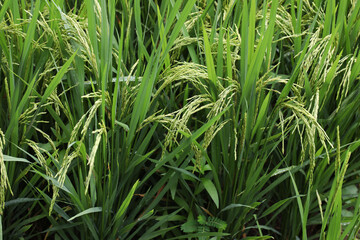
column 179, row 119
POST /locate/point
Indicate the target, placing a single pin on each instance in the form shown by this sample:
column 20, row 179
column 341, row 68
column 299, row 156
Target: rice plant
column 187, row 119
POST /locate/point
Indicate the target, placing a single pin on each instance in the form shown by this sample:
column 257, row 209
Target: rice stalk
column 310, row 128
column 189, row 72
column 128, row 93
column 75, row 35
column 337, row 159
column 68, row 157
column 7, row 92
column 58, row 105
column 91, row 160
column 343, row 89
column 224, row 100
column 281, row 118
column 4, row 180
column 38, row 152
column 31, row 113
column 181, row 118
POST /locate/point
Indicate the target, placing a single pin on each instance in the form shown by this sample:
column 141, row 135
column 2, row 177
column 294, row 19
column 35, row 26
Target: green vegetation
column 179, row 119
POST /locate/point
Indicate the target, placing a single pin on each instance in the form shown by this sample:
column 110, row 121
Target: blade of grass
column 209, row 61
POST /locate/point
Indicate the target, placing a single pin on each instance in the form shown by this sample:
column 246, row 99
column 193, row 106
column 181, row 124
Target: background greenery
column 179, row 119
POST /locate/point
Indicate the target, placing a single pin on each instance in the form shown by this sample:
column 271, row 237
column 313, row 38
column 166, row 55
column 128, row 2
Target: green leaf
column 1, row 228
column 146, row 215
column 262, row 114
column 3, row 10
column 183, row 171
column 30, row 35
column 57, row 79
column 236, row 205
column 300, row 205
column 87, row 211
column 54, row 181
column 8, row 158
column 20, row 200
column 211, row 189
column 277, row 205
column 126, row 202
column 209, row 59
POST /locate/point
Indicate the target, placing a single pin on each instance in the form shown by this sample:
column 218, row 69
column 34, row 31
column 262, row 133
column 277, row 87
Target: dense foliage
column 179, row 119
